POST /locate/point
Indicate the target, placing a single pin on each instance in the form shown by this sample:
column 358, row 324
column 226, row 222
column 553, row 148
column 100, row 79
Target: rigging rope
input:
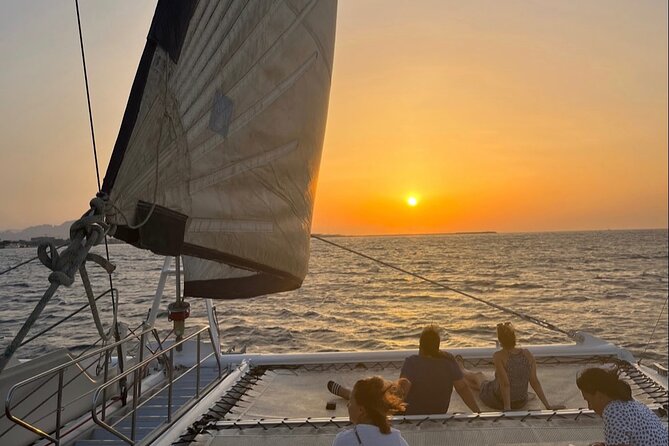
column 84, row 234
column 539, row 322
column 65, row 319
column 117, row 335
column 88, row 96
column 653, row 332
column 11, row 268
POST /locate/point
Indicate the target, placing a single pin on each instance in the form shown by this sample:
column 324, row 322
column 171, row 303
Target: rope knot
column 48, row 255
column 86, row 232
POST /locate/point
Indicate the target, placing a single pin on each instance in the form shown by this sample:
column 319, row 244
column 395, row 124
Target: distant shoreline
column 17, row 239
column 58, row 242
column 427, row 234
column 407, row 235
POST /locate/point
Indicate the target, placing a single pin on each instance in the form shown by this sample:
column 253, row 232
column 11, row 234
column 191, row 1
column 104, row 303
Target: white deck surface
column 300, row 393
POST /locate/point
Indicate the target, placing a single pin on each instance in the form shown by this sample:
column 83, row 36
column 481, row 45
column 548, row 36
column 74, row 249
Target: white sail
column 219, row 149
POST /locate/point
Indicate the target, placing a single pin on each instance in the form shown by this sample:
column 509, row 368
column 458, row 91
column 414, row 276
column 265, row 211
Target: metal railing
column 55, row 436
column 136, row 369
column 60, row 370
column 45, row 399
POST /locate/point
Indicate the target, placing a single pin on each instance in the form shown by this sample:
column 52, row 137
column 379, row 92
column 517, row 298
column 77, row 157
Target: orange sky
column 504, row 116
column 514, row 116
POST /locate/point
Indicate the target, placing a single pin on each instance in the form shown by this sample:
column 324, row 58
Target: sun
column 412, row 201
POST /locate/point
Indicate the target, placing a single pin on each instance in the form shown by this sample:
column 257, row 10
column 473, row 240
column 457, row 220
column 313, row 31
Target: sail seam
column 209, row 72
column 259, row 106
column 240, row 167
column 319, row 44
column 163, row 157
column 210, row 46
column 198, row 31
column 196, row 225
column 194, row 26
column 212, row 84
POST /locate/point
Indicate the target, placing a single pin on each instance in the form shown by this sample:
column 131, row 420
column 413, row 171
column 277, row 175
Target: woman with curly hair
column 626, row 421
column 372, row 401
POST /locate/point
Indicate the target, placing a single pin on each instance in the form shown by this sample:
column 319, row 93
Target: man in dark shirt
column 432, row 375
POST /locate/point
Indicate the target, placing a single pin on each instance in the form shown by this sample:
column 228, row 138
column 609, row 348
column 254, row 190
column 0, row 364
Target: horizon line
column 396, row 234
column 321, row 234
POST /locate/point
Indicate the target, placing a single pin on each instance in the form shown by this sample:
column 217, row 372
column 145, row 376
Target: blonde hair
column 506, row 334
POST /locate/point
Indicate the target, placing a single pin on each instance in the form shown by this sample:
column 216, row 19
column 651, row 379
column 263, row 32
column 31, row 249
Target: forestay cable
column 650, row 338
column 534, row 320
column 115, row 330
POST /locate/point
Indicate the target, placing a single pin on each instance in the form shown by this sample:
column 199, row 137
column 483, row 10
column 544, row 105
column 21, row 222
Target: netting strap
column 540, row 322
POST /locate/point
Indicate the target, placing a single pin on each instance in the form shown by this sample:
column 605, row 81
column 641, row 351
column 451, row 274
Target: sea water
column 613, row 284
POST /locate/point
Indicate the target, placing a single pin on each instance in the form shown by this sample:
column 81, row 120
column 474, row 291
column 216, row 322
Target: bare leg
column 473, row 379
column 339, row 390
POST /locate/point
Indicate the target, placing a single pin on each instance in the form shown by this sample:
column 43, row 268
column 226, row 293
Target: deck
column 277, row 404
column 283, row 400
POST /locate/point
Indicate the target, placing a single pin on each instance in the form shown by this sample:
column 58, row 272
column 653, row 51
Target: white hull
column 281, row 399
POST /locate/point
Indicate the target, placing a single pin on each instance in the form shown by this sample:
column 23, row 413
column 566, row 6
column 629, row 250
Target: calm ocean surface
column 613, row 284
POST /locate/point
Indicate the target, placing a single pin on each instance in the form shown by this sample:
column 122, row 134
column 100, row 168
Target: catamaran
column 215, row 168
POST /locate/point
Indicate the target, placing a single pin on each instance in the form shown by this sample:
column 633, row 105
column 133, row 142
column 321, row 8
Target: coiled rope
column 84, row 234
column 18, row 265
column 540, row 322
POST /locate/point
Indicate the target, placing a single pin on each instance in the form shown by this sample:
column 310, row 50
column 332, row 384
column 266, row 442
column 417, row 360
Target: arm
column 466, row 394
column 536, row 385
column 403, row 385
column 503, row 380
column 404, row 382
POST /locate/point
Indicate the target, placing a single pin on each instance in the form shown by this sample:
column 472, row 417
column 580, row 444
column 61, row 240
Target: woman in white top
column 372, row 401
column 626, row 422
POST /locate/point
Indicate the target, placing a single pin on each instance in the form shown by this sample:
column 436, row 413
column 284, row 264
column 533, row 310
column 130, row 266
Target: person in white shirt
column 626, row 421
column 372, row 401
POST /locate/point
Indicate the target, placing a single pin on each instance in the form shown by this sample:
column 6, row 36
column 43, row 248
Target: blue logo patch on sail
column 221, row 114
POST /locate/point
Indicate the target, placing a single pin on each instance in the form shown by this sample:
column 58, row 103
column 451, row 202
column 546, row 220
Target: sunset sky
column 503, row 116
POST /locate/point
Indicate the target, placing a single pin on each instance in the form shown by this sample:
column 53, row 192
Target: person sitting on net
column 626, row 421
column 515, row 368
column 430, row 376
column 370, row 403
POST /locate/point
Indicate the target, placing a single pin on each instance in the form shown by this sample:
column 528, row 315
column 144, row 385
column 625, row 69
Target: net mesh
column 286, row 404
